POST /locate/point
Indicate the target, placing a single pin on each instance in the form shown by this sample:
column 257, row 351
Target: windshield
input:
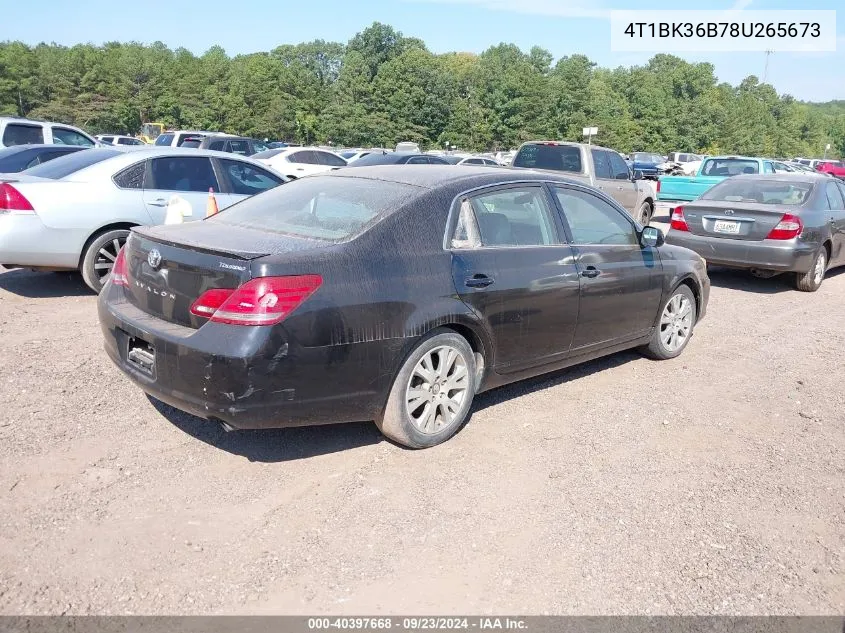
column 729, row 167
column 556, row 157
column 647, row 158
column 320, row 207
column 72, row 163
column 761, row 191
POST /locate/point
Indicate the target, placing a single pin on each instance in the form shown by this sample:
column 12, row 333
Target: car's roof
column 430, row 176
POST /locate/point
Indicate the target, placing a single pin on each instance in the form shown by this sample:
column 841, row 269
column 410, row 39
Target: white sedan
column 296, row 162
column 75, row 212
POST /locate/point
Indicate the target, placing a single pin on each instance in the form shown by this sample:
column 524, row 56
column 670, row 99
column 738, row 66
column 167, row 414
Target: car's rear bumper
column 786, row 256
column 25, row 241
column 251, row 378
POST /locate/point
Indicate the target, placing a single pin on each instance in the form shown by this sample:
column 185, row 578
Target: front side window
column 65, row 136
column 834, row 197
column 618, row 167
column 510, row 217
column 248, row 180
column 601, row 163
column 183, row 173
column 19, row 134
column 593, row 220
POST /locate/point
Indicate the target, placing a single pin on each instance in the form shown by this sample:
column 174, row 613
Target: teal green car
column 712, row 170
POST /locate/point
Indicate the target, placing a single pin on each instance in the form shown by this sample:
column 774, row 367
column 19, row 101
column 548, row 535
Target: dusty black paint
column 335, row 358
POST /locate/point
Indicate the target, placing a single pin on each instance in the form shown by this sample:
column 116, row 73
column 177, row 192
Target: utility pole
column 766, row 69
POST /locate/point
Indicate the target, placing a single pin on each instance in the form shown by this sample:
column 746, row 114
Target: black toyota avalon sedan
column 392, row 294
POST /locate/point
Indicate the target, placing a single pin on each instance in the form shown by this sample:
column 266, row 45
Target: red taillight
column 790, row 226
column 658, row 185
column 260, row 301
column 118, row 271
column 678, row 222
column 13, row 200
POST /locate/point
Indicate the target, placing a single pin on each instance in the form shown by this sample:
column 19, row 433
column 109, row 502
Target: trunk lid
column 734, row 220
column 170, row 267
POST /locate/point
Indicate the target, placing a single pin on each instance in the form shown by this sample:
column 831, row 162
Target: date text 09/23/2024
column 418, row 623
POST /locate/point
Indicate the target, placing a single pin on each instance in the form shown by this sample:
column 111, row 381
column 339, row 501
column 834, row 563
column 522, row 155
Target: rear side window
column 132, row 177
column 217, row 145
column 304, row 157
column 19, row 134
column 66, row 165
column 325, row 158
column 513, row 217
column 601, row 163
column 65, row 136
column 182, row 173
column 556, row 157
column 164, row 139
column 248, row 180
column 327, row 208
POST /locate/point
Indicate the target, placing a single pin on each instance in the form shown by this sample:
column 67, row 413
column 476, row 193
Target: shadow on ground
column 37, row 285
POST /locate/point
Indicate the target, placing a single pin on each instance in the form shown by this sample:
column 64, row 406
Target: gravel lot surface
column 714, row 483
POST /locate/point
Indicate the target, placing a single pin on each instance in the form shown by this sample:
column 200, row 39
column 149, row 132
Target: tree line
column 382, row 87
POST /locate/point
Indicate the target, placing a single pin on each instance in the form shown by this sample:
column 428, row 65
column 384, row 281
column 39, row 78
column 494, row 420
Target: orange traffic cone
column 211, row 206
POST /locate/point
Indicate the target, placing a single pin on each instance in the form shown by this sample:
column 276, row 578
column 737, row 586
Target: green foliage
column 382, row 87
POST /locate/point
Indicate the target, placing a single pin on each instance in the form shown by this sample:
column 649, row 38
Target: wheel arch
column 690, row 281
column 103, row 229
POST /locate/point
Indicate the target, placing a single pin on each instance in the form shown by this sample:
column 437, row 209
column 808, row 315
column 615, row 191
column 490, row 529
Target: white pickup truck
column 600, row 167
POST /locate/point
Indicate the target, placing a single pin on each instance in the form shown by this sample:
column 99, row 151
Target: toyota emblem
column 729, row 211
column 154, row 258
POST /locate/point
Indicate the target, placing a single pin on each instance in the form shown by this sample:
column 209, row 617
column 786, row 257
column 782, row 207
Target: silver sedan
column 75, row 212
column 768, row 223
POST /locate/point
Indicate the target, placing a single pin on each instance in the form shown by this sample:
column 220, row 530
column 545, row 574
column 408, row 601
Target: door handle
column 158, row 202
column 478, row 281
column 620, row 188
column 591, row 272
column 300, row 169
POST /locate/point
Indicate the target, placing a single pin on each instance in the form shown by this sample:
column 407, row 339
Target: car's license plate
column 722, row 226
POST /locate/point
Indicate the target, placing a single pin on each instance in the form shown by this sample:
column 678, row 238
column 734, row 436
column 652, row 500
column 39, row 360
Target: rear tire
column 645, row 213
column 811, row 280
column 432, row 394
column 677, row 322
column 99, row 257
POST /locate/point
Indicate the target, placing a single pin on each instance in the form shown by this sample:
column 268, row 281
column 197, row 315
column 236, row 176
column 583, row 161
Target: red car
column 834, row 168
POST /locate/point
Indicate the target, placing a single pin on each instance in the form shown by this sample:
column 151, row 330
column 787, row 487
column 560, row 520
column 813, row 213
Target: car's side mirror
column 638, row 174
column 652, row 236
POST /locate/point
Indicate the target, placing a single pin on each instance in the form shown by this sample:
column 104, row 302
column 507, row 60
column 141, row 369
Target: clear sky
column 563, row 27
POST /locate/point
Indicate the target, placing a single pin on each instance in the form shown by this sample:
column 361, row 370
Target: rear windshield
column 164, row 139
column 72, row 163
column 729, row 167
column 556, row 157
column 761, row 191
column 320, row 207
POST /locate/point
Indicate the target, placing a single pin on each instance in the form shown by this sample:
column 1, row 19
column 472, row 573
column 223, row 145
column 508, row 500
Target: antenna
column 766, row 69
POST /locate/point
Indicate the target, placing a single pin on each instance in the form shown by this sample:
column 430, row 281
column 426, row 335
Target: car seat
column 495, row 229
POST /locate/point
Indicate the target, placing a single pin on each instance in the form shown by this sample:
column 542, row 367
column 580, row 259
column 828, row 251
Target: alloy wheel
column 437, row 389
column 106, row 257
column 676, row 322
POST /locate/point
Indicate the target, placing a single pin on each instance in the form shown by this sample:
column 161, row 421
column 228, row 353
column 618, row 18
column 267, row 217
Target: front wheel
column 99, row 257
column 677, row 321
column 813, row 278
column 432, row 393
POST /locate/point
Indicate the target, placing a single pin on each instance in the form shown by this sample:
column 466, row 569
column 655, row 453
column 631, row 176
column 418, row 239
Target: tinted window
column 248, row 180
column 15, row 160
column 514, row 217
column 324, row 208
column 268, row 153
column 129, row 141
column 834, row 196
column 217, row 145
column 164, row 139
column 64, row 136
column 239, row 147
column 557, row 157
column 304, row 157
column 18, row 134
column 594, row 221
column 131, row 177
column 191, row 142
column 754, row 190
column 66, row 165
column 618, row 167
column 348, row 155
column 642, row 157
column 729, row 167
column 601, row 163
column 325, row 158
column 183, row 173
column 473, row 161
column 418, row 160
column 104, row 139
column 436, row 160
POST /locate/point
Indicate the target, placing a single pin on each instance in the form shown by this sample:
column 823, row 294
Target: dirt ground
column 714, row 483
